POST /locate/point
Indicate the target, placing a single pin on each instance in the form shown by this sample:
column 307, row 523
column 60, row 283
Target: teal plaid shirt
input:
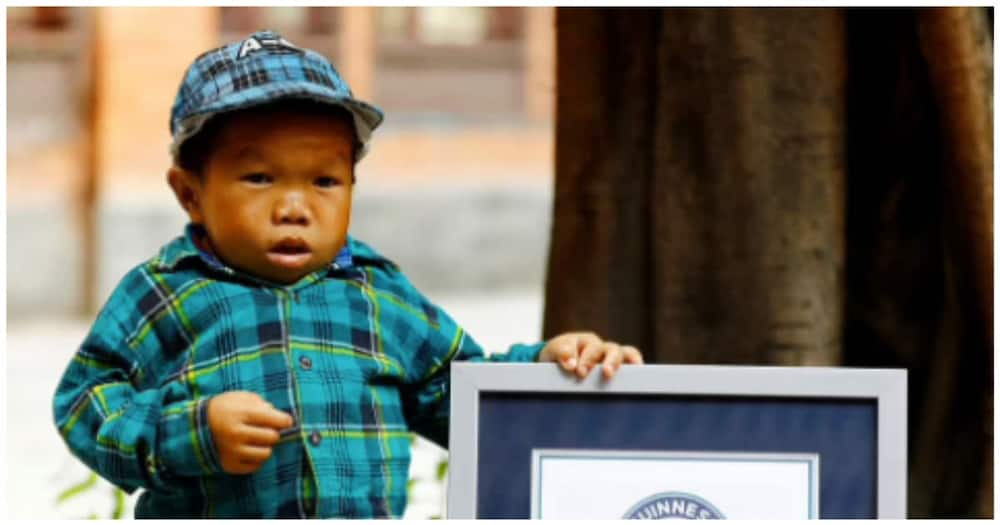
column 354, row 352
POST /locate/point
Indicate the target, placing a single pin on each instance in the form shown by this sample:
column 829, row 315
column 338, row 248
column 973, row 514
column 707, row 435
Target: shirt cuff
column 186, row 447
column 525, row 353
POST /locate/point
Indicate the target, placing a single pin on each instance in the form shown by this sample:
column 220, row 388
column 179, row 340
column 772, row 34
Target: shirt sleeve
column 426, row 401
column 132, row 437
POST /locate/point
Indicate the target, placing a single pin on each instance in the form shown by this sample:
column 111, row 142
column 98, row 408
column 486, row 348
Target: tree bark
column 958, row 46
column 959, row 54
column 912, row 277
column 758, row 185
column 959, row 49
column 699, row 182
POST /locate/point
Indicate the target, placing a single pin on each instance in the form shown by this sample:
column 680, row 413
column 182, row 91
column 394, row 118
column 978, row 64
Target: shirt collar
column 187, row 248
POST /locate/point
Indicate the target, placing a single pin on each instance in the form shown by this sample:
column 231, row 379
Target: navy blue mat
column 843, row 432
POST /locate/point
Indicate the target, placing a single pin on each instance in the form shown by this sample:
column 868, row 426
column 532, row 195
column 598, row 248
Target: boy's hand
column 245, row 428
column 580, row 352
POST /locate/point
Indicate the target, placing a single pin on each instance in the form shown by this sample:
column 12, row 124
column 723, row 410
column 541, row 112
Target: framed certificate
column 578, row 484
column 670, row 441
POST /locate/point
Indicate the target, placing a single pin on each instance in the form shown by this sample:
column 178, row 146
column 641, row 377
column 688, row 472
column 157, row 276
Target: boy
column 266, row 364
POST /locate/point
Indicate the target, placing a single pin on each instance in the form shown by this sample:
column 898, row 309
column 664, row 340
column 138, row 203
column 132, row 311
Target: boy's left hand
column 580, row 352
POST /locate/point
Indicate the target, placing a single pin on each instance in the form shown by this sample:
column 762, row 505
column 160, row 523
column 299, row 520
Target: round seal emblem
column 673, row 505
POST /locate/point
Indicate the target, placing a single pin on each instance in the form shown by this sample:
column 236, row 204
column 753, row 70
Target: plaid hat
column 260, row 69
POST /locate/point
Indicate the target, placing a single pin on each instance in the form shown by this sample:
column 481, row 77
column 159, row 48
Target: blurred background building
column 468, row 97
column 457, row 188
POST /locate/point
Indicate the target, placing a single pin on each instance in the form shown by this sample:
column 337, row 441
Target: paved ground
column 39, row 466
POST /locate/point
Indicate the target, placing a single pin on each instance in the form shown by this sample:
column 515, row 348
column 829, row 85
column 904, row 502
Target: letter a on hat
column 249, row 45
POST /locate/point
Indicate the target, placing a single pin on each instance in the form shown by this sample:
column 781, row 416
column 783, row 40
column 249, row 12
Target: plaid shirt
column 354, row 352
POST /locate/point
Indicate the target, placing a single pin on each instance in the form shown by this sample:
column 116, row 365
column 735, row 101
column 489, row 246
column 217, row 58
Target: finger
column 563, row 351
column 248, row 467
column 259, row 435
column 586, row 338
column 592, row 352
column 268, row 416
column 613, row 357
column 237, row 466
column 632, row 355
column 251, row 454
column 248, row 396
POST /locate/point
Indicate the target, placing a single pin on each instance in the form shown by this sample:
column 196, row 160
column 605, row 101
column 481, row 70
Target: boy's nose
column 291, row 209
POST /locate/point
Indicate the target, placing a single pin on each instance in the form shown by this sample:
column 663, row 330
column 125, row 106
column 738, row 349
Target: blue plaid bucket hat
column 260, row 69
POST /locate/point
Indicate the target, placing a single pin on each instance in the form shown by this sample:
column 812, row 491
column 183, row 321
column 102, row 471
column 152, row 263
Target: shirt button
column 315, row 438
column 306, row 363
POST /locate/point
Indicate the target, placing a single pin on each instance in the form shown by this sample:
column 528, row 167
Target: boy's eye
column 256, row 178
column 327, row 182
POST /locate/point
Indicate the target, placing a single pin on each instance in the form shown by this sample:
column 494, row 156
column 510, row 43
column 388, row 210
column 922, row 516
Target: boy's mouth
column 291, row 252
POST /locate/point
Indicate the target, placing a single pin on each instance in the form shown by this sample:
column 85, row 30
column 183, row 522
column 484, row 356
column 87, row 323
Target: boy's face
column 275, row 192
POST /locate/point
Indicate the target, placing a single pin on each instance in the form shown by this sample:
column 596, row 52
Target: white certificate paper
column 620, row 484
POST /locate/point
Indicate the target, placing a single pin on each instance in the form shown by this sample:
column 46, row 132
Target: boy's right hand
column 245, row 428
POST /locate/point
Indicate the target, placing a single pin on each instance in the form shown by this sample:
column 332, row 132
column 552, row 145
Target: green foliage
column 442, row 469
column 89, row 484
column 78, row 489
column 119, row 511
column 441, row 472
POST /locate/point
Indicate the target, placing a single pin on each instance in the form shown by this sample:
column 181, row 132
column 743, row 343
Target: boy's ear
column 187, row 189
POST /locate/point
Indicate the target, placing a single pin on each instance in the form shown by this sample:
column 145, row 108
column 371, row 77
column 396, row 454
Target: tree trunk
column 757, row 185
column 917, row 230
column 699, row 193
column 959, row 50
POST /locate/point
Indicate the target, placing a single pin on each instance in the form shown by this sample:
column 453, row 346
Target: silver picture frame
column 886, row 387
